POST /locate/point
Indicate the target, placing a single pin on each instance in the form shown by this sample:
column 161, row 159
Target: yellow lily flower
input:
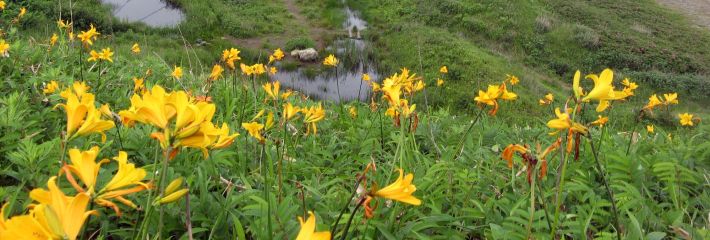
column 653, row 101
column 488, row 97
column 418, row 86
column 51, row 87
column 32, row 226
column 686, row 119
column 439, row 82
column 135, row 48
column 94, row 124
column 106, row 54
column 94, row 56
column 308, row 229
column 443, row 70
column 649, row 128
column 4, row 47
column 246, row 70
column 492, row 94
column 22, row 13
column 670, row 98
column 505, row 95
column 202, row 139
column 311, row 116
column 138, row 85
column 366, row 77
column 578, row 92
column 177, row 72
column 564, row 122
column 547, row 100
column 401, row 190
column 126, row 176
column 290, row 111
column 84, row 165
column 353, row 111
column 603, row 88
column 392, row 92
column 512, row 79
column 258, row 69
column 53, row 39
column 152, row 108
column 88, row 37
column 507, row 154
column 82, row 116
column 67, row 213
column 224, row 139
column 229, row 56
column 216, row 72
column 63, row 25
column 601, row 121
column 254, row 130
column 287, row 94
column 272, row 89
column 629, row 86
column 330, row 61
column 276, row 56
column 127, row 180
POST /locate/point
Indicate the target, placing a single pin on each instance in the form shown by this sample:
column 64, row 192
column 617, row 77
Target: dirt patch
column 697, row 10
column 313, row 31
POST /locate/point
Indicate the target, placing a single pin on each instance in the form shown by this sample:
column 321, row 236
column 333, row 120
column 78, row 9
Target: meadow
column 109, row 132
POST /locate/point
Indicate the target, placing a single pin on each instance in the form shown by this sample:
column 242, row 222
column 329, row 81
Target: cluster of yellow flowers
column 106, row 54
column 686, row 119
column 256, row 69
column 396, row 89
column 494, row 93
column 331, row 61
column 183, row 121
column 83, row 117
column 88, row 37
column 54, row 215
column 311, row 115
column 547, row 100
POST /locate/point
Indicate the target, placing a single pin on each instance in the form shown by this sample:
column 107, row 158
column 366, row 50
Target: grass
column 541, row 41
column 256, row 190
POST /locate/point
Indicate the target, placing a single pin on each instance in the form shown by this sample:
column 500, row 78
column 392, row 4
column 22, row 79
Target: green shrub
column 299, row 43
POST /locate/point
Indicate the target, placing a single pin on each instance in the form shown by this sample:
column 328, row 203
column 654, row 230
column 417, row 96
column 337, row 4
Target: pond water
column 353, row 54
column 154, row 13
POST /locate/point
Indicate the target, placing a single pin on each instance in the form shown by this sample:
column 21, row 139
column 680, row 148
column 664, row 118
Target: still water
column 154, row 13
column 348, row 85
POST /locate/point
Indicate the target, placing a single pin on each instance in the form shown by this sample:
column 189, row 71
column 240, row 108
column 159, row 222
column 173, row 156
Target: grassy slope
column 543, row 42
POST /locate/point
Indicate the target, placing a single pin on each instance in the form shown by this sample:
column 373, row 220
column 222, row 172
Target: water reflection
column 154, row 13
column 325, row 87
column 354, row 57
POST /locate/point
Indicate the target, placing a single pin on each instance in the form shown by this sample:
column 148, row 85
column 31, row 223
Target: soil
column 697, row 10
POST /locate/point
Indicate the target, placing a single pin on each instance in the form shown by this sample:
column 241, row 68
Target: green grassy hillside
column 542, row 42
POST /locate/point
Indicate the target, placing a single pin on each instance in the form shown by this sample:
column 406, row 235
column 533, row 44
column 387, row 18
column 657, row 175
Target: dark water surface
column 154, row 13
column 349, row 78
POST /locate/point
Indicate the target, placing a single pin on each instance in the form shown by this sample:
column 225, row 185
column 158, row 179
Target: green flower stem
column 595, row 153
